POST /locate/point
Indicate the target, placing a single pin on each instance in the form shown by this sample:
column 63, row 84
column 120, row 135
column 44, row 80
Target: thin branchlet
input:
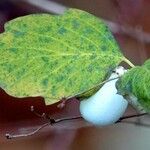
column 9, row 136
column 131, row 116
column 52, row 121
column 128, row 62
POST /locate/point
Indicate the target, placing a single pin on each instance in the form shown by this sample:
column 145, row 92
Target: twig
column 128, row 62
column 10, row 136
column 54, row 121
column 67, row 119
column 43, row 115
column 131, row 116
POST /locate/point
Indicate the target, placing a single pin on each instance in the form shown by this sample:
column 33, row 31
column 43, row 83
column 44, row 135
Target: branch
column 54, row 121
column 131, row 116
column 9, row 136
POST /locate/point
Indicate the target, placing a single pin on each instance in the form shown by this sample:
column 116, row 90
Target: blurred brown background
column 130, row 23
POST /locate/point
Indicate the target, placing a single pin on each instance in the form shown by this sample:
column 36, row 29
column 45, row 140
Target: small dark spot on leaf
column 43, row 30
column 75, row 24
column 103, row 47
column 69, row 69
column 70, row 82
column 90, row 68
column 48, row 29
column 14, row 50
column 92, row 56
column 75, row 57
column 53, row 91
column 88, row 31
column 9, row 67
column 59, row 78
column 2, row 44
column 110, row 37
column 62, row 31
column 45, row 82
column 19, row 33
column 45, row 59
column 24, row 25
column 92, row 47
column 21, row 73
column 106, row 29
column 44, row 39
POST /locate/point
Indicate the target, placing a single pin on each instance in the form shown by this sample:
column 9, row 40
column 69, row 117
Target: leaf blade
column 138, row 80
column 56, row 56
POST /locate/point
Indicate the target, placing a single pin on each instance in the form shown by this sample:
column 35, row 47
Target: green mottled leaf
column 137, row 82
column 56, row 56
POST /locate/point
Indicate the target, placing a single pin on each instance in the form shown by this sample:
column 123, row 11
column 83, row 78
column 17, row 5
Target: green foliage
column 56, row 56
column 137, row 82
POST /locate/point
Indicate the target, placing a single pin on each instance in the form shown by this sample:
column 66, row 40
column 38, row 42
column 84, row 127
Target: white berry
column 106, row 106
